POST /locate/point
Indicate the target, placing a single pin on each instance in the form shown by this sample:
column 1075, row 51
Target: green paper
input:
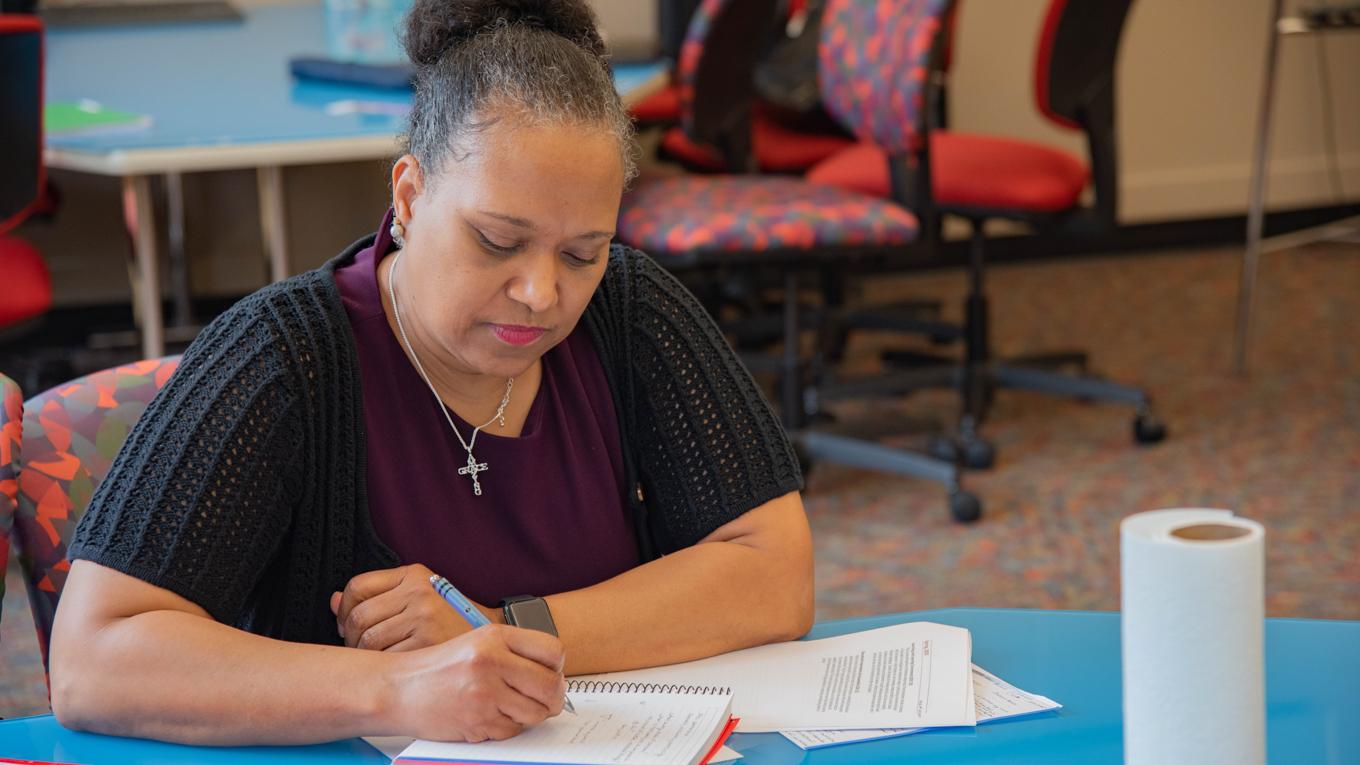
column 89, row 118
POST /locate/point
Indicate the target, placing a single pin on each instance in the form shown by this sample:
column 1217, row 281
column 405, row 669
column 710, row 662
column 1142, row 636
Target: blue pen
column 471, row 613
column 462, row 605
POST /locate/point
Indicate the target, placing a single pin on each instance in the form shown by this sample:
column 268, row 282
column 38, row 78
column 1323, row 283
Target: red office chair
column 661, row 108
column 11, row 439
column 71, row 434
column 977, row 177
column 704, row 81
column 736, row 223
column 27, row 289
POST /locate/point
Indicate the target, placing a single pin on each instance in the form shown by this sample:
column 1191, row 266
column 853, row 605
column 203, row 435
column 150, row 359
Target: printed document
column 905, row 676
column 996, row 700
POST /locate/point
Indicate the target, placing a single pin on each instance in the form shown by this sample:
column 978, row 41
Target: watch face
column 533, row 615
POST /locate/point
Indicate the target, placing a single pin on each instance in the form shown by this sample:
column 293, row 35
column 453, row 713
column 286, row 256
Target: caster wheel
column 944, row 448
column 1147, row 430
column 979, row 454
column 975, row 454
column 964, row 506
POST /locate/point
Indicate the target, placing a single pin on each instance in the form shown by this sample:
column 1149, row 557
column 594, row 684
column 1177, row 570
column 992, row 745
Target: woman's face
column 505, row 249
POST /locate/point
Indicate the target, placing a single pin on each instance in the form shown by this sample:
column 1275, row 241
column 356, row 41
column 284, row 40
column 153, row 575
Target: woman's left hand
column 396, row 609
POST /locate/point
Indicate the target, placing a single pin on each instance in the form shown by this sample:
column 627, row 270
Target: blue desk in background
column 1312, row 677
column 220, row 96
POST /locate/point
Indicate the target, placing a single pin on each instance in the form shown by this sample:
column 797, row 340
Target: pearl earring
column 398, row 233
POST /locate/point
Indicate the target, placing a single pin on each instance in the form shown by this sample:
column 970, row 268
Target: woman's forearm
column 133, row 659
column 175, row 676
column 713, row 597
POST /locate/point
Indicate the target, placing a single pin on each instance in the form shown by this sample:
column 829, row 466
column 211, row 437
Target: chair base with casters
column 802, row 392
column 802, row 387
column 979, row 375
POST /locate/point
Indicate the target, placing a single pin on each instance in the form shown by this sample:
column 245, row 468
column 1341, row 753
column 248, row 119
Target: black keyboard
column 106, row 14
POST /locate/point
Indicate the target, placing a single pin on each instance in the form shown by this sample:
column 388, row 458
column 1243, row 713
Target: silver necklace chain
column 473, row 466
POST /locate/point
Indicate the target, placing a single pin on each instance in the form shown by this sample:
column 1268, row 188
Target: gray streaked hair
column 479, row 62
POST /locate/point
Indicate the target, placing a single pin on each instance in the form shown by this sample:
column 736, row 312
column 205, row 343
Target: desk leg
column 146, row 286
column 1256, row 203
column 272, row 225
column 183, row 315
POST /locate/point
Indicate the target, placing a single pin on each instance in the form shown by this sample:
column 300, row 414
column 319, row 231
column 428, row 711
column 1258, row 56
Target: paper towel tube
column 1193, row 626
column 1209, row 532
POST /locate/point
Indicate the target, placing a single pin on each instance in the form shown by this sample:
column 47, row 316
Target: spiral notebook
column 634, row 723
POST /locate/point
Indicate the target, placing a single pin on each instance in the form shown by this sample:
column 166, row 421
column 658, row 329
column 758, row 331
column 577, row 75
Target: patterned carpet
column 1282, row 447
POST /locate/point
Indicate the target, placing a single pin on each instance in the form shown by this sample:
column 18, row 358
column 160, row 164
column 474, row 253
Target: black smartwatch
column 530, row 612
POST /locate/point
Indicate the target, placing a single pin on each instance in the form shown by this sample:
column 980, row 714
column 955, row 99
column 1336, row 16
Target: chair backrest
column 716, row 74
column 878, row 68
column 875, row 63
column 1074, row 81
column 71, row 434
column 21, row 167
column 11, row 439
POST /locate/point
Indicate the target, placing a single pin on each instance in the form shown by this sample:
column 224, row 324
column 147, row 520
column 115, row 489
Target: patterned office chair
column 71, row 434
column 979, row 177
column 879, row 54
column 704, row 81
column 11, row 439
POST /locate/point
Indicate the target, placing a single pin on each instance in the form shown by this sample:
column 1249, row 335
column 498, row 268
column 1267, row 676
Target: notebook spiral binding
column 600, row 686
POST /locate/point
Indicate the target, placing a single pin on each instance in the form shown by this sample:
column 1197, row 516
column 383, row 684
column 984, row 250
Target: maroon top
column 551, row 517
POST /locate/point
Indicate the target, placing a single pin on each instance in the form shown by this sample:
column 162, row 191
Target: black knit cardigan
column 242, row 486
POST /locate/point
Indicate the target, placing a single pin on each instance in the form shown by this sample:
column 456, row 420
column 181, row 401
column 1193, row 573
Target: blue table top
column 1312, row 674
column 220, row 84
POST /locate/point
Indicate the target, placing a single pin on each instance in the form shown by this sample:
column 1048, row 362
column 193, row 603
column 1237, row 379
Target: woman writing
column 486, row 390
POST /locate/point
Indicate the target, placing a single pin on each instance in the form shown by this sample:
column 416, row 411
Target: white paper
column 726, row 754
column 906, row 675
column 1193, row 630
column 995, row 698
column 391, row 746
column 641, row 728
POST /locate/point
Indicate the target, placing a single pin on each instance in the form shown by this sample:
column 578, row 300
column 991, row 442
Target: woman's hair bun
column 435, row 26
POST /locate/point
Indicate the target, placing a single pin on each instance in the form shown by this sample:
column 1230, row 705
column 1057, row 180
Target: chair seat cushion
column 661, row 107
column 735, row 213
column 778, row 149
column 27, row 288
column 972, row 171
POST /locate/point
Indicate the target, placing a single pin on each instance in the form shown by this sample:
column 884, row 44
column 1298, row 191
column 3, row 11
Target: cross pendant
column 473, row 468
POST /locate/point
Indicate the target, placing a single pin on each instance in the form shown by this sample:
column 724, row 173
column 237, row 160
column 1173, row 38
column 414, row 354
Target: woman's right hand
column 490, row 683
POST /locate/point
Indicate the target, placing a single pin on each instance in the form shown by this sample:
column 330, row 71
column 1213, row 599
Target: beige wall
column 626, row 19
column 1189, row 83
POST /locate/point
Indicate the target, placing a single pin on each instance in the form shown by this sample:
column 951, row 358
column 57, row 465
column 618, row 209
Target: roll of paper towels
column 1193, row 623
